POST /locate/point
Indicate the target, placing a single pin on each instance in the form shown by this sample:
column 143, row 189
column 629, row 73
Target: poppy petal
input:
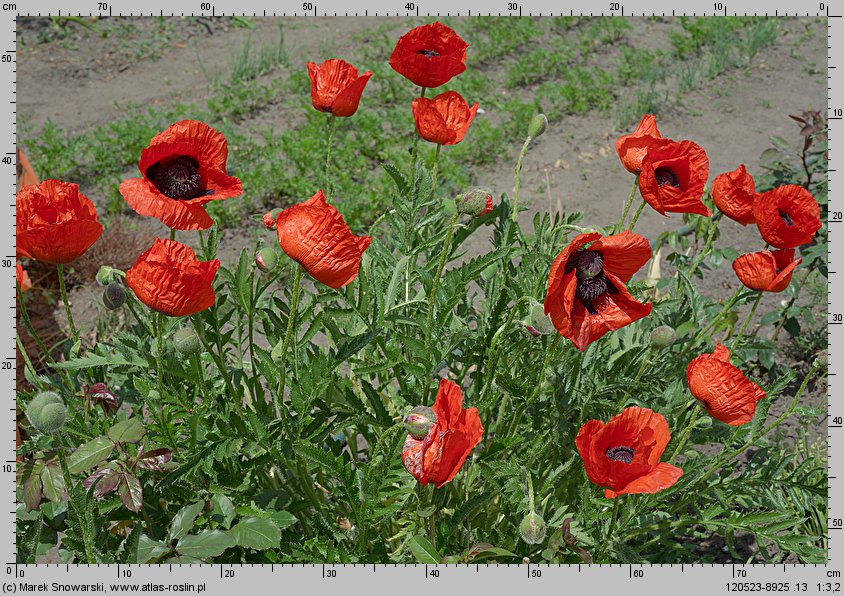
column 624, row 254
column 632, row 148
column 766, row 271
column 663, row 476
column 673, row 177
column 145, row 199
column 734, row 193
column 723, row 390
column 787, row 216
column 429, row 55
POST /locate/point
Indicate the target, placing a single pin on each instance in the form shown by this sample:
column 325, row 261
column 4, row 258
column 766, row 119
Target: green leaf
column 53, row 483
column 257, row 533
column 127, row 431
column 423, row 551
column 90, row 454
column 393, row 287
column 149, row 549
column 353, row 345
column 183, row 520
column 91, row 360
column 208, row 543
column 131, row 492
column 222, row 508
column 283, row 519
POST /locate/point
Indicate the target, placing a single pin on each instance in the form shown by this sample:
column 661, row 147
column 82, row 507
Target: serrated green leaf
column 208, row 543
column 92, row 453
column 52, row 483
column 127, row 431
column 256, row 533
column 183, row 520
column 423, row 551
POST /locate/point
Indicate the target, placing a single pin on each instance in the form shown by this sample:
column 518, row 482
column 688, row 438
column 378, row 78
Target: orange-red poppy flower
column 315, row 235
column 439, row 455
column 631, row 148
column 766, row 271
column 787, row 216
column 444, row 119
column 430, row 55
column 23, row 278
column 55, row 222
column 336, row 87
column 624, row 454
column 734, row 193
column 183, row 168
column 587, row 295
column 26, row 175
column 722, row 388
column 673, row 176
column 170, row 279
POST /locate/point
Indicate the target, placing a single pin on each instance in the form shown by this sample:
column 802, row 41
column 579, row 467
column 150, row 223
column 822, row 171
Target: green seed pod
column 473, row 202
column 419, row 421
column 532, row 529
column 538, row 124
column 47, row 412
column 266, row 259
column 107, row 275
column 662, row 337
column 186, row 341
column 114, row 296
column 539, row 320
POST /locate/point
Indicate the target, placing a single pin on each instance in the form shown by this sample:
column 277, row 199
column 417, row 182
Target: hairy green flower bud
column 532, row 529
column 47, row 412
column 662, row 337
column 186, row 341
column 266, row 259
column 474, row 201
column 538, row 124
column 539, row 321
column 107, row 275
column 419, row 421
column 114, row 296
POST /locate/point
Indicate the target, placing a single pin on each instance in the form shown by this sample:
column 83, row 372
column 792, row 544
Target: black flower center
column 621, row 453
column 177, row 177
column 786, row 218
column 592, row 282
column 428, row 53
column 327, row 109
column 666, row 176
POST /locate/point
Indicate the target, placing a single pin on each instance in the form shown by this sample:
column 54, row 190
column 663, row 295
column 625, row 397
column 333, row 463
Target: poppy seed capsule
column 114, row 296
column 662, row 337
column 532, row 529
column 538, row 124
column 270, row 218
column 472, row 202
column 419, row 421
column 186, row 341
column 47, row 412
column 266, row 259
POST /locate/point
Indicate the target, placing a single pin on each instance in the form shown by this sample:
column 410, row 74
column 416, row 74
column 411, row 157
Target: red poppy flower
column 487, row 207
column 438, row 457
column 624, row 454
column 444, row 119
column 170, row 279
column 723, row 389
column 631, row 148
column 766, row 271
column 183, row 168
column 26, row 175
column 587, row 295
column 787, row 216
column 336, row 87
column 430, row 55
column 734, row 193
column 55, row 222
column 315, row 235
column 673, row 176
column 23, row 278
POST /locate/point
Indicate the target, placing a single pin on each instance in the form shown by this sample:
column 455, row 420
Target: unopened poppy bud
column 106, row 275
column 539, row 321
column 419, row 421
column 114, row 296
column 662, row 337
column 538, row 124
column 47, row 412
column 270, row 218
column 475, row 202
column 187, row 342
column 266, row 259
column 532, row 529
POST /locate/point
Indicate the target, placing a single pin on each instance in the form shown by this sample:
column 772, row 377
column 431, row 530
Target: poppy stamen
column 666, row 177
column 428, row 53
column 592, row 282
column 786, row 218
column 621, row 453
column 177, row 177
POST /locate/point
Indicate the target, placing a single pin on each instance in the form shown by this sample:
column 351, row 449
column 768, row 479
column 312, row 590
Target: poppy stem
column 218, row 359
column 415, row 151
column 30, row 329
column 332, row 123
column 432, row 295
column 159, row 354
column 279, row 353
column 73, row 503
column 522, row 153
column 172, row 234
column 636, row 215
column 538, row 388
column 788, row 306
column 627, row 204
column 616, row 506
column 638, row 376
column 435, row 169
column 730, row 303
column 749, row 317
column 28, row 363
column 710, row 236
column 63, row 289
column 684, row 437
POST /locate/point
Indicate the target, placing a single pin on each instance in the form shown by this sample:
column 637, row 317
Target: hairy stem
column 627, row 204
column 63, row 289
column 522, row 153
